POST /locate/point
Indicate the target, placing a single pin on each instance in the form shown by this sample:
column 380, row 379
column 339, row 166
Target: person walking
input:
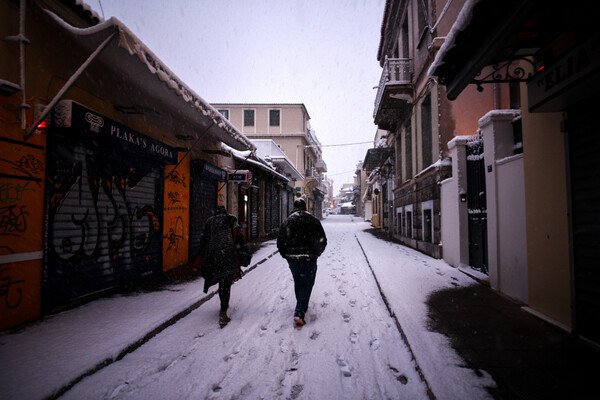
column 218, row 258
column 301, row 241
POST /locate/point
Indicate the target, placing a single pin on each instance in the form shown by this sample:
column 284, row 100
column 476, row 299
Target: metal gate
column 476, row 203
column 268, row 205
column 104, row 219
column 584, row 147
column 276, row 207
column 253, row 212
column 204, row 181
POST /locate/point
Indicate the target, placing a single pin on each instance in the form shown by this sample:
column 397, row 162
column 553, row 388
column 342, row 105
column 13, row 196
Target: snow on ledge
column 441, row 162
column 501, row 115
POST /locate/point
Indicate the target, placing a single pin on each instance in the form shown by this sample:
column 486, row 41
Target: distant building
column 287, row 125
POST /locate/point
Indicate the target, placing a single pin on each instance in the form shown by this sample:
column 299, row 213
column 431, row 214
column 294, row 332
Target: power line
column 341, row 173
column 344, row 144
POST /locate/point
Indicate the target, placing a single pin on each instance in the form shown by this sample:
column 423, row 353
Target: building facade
column 556, row 67
column 109, row 163
column 288, row 125
column 419, row 119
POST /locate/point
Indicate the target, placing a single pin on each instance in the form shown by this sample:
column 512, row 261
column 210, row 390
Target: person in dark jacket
column 218, row 257
column 301, row 241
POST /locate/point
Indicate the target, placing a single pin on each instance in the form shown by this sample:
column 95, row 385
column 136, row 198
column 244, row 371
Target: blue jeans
column 304, row 273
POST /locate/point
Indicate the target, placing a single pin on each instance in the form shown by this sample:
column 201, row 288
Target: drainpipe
column 69, row 84
column 22, row 40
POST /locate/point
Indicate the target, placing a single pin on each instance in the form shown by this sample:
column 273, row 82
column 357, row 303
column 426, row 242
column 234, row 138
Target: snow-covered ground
column 351, row 347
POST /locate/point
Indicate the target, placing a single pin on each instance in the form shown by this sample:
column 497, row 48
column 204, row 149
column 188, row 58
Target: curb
column 430, row 394
column 144, row 339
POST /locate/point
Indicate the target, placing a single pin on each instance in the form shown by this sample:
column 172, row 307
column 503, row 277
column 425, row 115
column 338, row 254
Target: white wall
column 450, row 222
column 512, row 252
column 454, row 217
column 505, row 195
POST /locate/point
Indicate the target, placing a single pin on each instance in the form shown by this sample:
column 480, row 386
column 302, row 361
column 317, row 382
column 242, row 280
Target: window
column 248, row 117
column 398, row 161
column 274, row 117
column 427, row 208
column 426, row 132
column 408, row 150
column 408, row 221
column 225, row 113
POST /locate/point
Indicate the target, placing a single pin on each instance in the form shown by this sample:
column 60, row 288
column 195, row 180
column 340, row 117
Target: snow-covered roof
column 249, row 157
column 462, row 20
column 268, row 150
column 146, row 71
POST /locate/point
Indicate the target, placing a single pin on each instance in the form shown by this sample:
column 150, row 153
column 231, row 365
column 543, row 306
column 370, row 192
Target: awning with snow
column 376, row 157
column 483, row 34
column 127, row 74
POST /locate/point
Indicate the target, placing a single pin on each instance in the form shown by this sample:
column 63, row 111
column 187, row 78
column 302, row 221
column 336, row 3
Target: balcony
column 320, row 166
column 394, row 96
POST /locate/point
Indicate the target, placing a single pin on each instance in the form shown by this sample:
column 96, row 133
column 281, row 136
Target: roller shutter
column 204, row 183
column 104, row 218
column 584, row 148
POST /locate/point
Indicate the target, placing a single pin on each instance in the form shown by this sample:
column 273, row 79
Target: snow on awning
column 462, row 20
column 249, row 158
column 478, row 38
column 132, row 72
column 269, row 151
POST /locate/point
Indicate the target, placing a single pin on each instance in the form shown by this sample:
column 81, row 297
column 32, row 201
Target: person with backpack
column 301, row 241
column 222, row 252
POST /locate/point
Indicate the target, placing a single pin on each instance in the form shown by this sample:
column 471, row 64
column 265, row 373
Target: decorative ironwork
column 508, row 71
column 396, row 71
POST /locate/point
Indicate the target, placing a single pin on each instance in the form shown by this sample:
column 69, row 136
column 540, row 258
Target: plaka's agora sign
column 98, row 128
column 239, row 176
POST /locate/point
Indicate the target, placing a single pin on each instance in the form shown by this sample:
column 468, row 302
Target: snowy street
column 350, row 348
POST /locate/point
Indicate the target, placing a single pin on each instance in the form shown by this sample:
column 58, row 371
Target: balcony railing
column 396, row 71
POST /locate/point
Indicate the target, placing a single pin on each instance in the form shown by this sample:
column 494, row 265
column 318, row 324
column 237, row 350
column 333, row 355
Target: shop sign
column 556, row 79
column 69, row 114
column 211, row 171
column 240, row 176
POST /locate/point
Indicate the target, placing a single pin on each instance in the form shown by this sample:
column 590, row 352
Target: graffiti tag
column 12, row 192
column 173, row 198
column 177, row 178
column 174, row 235
column 6, row 284
column 12, row 219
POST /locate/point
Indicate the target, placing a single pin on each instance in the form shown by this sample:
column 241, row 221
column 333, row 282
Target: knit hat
column 300, row 204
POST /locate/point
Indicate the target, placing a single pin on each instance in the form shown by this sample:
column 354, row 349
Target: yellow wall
column 547, row 220
column 176, row 217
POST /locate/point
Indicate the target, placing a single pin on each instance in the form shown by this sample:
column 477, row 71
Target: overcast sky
column 322, row 53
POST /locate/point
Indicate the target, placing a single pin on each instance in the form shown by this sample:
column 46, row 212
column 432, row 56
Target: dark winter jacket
column 301, row 237
column 217, row 250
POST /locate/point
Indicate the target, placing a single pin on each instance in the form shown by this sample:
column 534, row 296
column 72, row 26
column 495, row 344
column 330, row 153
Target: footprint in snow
column 344, row 367
column 352, row 303
column 399, row 377
column 353, row 337
column 346, row 317
column 374, row 344
column 315, row 335
column 296, row 390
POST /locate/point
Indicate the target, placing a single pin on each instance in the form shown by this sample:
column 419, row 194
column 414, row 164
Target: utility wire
column 345, row 144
